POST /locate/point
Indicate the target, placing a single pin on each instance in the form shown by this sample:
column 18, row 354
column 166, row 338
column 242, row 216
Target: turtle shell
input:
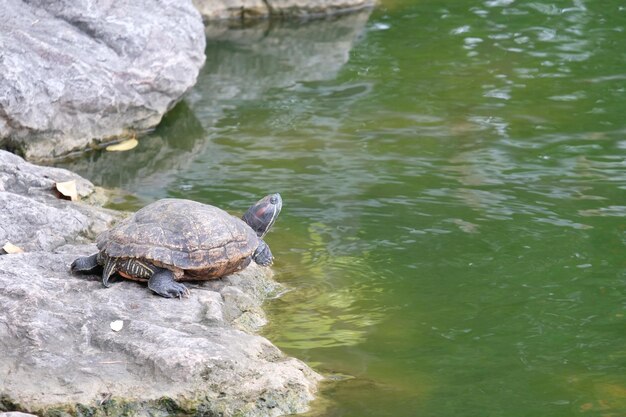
column 183, row 235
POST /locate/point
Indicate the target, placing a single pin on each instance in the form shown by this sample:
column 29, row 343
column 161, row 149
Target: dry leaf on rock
column 126, row 145
column 67, row 190
column 10, row 248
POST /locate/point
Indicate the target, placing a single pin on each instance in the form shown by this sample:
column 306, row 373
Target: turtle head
column 262, row 215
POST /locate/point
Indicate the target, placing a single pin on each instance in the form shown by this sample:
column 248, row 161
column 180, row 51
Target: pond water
column 454, row 185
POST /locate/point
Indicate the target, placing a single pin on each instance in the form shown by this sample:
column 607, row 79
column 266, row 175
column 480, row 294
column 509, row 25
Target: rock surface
column 78, row 72
column 34, row 218
column 251, row 9
column 59, row 353
column 57, row 347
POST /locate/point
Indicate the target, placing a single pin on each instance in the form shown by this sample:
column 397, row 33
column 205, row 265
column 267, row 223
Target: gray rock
column 316, row 8
column 57, row 347
column 231, row 9
column 75, row 73
column 252, row 9
column 33, row 217
column 60, row 356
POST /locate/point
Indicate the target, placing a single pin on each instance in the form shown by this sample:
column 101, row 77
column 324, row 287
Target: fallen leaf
column 67, row 190
column 117, row 325
column 126, row 145
column 10, row 248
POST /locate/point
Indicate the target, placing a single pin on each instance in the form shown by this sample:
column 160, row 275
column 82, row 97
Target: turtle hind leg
column 86, row 264
column 163, row 283
column 262, row 255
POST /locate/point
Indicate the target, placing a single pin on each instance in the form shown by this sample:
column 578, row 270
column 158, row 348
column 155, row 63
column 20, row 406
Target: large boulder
column 79, row 72
column 60, row 355
column 253, row 9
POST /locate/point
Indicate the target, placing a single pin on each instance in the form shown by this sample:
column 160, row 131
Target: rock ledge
column 212, row 10
column 60, row 356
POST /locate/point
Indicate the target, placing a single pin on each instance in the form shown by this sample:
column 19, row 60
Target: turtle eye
column 273, row 199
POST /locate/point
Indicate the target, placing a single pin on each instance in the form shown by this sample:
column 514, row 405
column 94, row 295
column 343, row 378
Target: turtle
column 173, row 240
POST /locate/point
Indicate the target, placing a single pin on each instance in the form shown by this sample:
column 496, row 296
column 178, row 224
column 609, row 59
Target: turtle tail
column 110, row 266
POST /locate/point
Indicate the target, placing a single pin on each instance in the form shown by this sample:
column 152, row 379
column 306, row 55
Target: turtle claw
column 177, row 290
column 163, row 283
column 184, row 294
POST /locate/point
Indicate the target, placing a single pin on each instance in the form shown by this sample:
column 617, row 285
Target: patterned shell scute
column 182, row 233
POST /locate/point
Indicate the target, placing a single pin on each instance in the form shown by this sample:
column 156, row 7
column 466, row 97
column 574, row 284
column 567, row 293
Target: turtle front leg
column 163, row 283
column 263, row 255
column 110, row 267
column 86, row 265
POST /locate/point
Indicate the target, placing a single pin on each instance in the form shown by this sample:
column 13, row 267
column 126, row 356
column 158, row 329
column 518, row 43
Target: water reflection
column 151, row 164
column 321, row 313
column 242, row 64
column 245, row 62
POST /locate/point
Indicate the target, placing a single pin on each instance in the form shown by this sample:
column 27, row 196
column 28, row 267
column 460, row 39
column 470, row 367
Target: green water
column 454, row 184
